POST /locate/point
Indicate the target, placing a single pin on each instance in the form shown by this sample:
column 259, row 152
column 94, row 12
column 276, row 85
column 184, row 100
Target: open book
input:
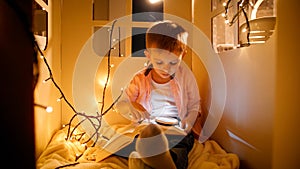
column 121, row 139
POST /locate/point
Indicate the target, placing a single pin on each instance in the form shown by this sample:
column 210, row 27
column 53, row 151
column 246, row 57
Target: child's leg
column 135, row 162
column 181, row 149
column 152, row 145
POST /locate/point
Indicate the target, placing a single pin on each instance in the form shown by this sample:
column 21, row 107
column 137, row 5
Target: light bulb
column 49, row 109
column 154, row 1
column 59, row 99
column 44, row 81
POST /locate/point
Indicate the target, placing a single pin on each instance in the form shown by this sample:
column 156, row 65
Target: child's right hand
column 133, row 111
column 138, row 112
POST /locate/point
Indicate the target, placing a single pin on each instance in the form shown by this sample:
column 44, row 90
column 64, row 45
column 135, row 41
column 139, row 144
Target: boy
column 166, row 88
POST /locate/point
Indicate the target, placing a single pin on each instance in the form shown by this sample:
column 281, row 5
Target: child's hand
column 138, row 112
column 188, row 122
column 186, row 126
column 132, row 111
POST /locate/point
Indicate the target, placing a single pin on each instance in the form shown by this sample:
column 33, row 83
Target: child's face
column 165, row 63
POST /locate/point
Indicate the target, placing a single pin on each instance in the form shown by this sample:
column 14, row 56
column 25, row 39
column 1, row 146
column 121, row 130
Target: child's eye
column 159, row 63
column 173, row 63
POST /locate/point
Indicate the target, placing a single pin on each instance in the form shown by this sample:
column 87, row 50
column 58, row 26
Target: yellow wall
column 202, row 16
column 76, row 29
column 181, row 8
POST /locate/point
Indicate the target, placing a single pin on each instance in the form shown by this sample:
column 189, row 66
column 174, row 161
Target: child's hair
column 167, row 35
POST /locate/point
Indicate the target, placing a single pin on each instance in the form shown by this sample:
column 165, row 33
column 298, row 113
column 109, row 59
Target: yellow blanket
column 74, row 155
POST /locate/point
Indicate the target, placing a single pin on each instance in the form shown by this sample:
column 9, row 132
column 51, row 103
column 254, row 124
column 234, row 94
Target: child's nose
column 166, row 68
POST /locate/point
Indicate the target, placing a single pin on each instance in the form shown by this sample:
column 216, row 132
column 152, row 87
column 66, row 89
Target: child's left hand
column 186, row 126
column 188, row 122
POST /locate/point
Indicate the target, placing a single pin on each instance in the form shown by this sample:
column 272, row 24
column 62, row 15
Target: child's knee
column 150, row 130
column 151, row 141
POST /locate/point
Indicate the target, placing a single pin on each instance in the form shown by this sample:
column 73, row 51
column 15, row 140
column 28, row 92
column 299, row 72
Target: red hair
column 167, row 35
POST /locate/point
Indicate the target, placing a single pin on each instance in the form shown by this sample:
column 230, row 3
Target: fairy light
column 242, row 4
column 59, row 99
column 48, row 109
column 102, row 82
column 244, row 30
column 44, row 81
column 93, row 120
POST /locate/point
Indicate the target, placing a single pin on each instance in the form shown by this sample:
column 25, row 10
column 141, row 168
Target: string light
column 44, row 81
column 242, row 5
column 93, row 120
column 59, row 99
column 48, row 109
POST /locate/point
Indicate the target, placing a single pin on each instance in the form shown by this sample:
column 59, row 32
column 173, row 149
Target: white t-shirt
column 162, row 101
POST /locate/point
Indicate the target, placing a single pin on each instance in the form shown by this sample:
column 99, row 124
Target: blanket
column 71, row 154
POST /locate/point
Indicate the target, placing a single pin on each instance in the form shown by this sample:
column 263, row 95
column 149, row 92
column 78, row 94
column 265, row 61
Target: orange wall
column 76, row 30
column 286, row 138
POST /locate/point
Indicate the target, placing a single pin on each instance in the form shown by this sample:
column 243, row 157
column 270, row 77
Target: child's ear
column 147, row 54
